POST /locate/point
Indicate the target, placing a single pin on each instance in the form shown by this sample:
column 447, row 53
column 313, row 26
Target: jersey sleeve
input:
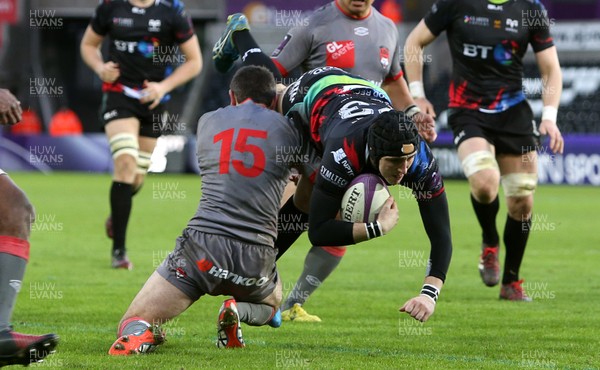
column 293, row 50
column 101, row 19
column 423, row 176
column 182, row 24
column 338, row 167
column 440, row 16
column 539, row 27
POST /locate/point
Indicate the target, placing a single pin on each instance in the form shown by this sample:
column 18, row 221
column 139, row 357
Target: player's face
column 358, row 8
column 393, row 169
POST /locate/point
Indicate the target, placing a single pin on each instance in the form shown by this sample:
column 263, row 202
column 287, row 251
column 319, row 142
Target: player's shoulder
column 176, row 6
column 323, row 15
column 383, row 20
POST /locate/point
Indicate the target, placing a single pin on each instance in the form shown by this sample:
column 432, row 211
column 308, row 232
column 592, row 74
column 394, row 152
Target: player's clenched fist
column 420, row 308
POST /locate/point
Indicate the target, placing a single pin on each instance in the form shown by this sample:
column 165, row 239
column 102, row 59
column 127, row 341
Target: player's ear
column 232, row 99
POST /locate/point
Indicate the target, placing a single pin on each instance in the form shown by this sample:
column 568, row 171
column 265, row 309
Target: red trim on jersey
column 313, row 177
column 281, row 68
column 438, row 193
column 335, row 251
column 497, row 100
column 457, row 98
column 351, row 153
column 15, row 246
column 112, row 87
column 350, row 15
column 394, row 78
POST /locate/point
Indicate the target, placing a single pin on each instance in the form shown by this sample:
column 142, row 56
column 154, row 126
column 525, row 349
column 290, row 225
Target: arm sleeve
column 436, row 221
column 101, row 19
column 440, row 16
column 539, row 28
column 182, row 24
column 323, row 228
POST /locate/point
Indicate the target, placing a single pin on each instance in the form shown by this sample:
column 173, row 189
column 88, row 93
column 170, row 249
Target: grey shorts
column 217, row 265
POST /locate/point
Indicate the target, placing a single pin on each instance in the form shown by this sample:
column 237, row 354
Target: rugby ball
column 364, row 198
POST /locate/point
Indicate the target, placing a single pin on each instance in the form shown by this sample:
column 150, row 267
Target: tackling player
column 15, row 226
column 227, row 248
column 355, row 129
column 492, row 122
column 136, row 82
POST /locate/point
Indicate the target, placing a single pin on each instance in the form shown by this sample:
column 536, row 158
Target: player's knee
column 125, row 152
column 143, row 163
column 519, row 189
column 17, row 214
column 483, row 173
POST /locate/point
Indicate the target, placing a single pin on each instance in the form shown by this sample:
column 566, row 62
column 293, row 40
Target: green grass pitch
column 69, row 288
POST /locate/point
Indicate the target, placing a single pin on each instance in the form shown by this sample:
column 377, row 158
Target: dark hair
column 254, row 82
column 392, row 134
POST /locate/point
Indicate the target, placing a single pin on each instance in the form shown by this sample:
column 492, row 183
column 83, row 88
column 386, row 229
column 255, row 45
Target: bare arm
column 418, row 38
column 549, row 66
column 91, row 55
column 154, row 91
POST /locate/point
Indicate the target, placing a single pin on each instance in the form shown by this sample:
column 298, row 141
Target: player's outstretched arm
column 422, row 306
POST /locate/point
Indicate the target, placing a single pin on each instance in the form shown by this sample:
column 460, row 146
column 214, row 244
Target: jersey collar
column 350, row 15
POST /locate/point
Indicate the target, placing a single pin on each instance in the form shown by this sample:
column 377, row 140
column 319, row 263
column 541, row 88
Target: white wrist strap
column 549, row 113
column 416, row 89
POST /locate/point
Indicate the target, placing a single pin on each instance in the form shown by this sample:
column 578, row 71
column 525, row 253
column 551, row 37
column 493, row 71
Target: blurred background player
column 228, row 246
column 15, row 226
column 492, row 122
column 134, row 87
column 353, row 36
column 355, row 129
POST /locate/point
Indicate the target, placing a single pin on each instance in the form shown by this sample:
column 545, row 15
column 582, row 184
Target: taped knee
column 124, row 143
column 478, row 161
column 335, row 251
column 143, row 162
column 14, row 246
column 519, row 184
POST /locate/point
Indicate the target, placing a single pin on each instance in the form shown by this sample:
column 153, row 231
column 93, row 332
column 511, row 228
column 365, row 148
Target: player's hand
column 109, row 72
column 10, row 108
column 425, row 106
column 419, row 307
column 153, row 93
column 388, row 216
column 426, row 126
column 557, row 143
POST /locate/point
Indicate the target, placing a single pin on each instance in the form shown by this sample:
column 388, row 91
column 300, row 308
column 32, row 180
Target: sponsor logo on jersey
column 476, row 21
column 340, row 157
column 340, row 54
column 503, row 52
column 497, row 23
column 123, row 22
column 332, row 177
column 512, row 25
column 285, row 41
column 497, row 8
column 136, row 10
column 361, row 31
column 154, row 25
column 474, row 51
column 384, row 57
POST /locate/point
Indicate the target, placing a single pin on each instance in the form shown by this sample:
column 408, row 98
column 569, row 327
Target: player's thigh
column 16, row 210
column 158, row 300
column 274, row 299
column 129, row 125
